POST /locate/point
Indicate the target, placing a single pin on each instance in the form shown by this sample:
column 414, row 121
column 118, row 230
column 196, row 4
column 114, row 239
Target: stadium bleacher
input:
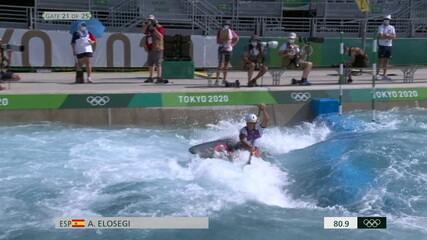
column 266, row 17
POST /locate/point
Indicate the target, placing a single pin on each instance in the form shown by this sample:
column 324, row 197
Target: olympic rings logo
column 371, row 223
column 98, row 100
column 301, row 96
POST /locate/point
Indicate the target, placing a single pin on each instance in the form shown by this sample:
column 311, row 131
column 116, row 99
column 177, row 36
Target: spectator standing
column 154, row 45
column 226, row 38
column 82, row 44
column 386, row 34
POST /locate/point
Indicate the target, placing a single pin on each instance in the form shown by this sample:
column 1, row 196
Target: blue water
column 345, row 166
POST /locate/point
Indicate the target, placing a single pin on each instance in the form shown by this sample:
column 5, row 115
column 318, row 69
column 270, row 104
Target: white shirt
column 284, row 47
column 389, row 29
column 82, row 44
column 228, row 44
column 254, row 52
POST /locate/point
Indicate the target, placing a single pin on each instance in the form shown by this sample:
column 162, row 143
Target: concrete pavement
column 132, row 82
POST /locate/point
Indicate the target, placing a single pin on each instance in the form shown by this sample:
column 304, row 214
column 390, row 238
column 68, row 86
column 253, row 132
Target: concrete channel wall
column 281, row 114
column 286, row 105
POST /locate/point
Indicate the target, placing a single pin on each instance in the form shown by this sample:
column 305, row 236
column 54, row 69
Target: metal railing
column 419, row 9
column 195, row 21
column 298, row 25
column 204, row 15
column 270, row 9
column 16, row 16
column 208, row 7
column 75, row 4
column 397, row 8
column 123, row 14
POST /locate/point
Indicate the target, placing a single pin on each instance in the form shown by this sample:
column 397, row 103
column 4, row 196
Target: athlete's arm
column 392, row 35
column 285, row 53
column 352, row 59
column 159, row 31
column 235, row 39
column 73, row 42
column 265, row 116
column 246, row 57
column 246, row 143
column 283, row 50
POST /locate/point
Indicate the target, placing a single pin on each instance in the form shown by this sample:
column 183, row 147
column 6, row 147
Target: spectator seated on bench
column 359, row 59
column 291, row 59
column 253, row 59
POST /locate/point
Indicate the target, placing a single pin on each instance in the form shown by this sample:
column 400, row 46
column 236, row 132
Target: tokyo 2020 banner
column 200, row 99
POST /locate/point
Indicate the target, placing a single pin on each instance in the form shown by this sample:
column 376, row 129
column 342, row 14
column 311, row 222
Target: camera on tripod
column 11, row 48
column 311, row 39
column 270, row 44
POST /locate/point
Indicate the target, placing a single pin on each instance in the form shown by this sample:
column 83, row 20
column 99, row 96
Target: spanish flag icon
column 78, row 223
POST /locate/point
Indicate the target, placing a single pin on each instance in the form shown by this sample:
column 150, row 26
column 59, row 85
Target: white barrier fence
column 53, row 49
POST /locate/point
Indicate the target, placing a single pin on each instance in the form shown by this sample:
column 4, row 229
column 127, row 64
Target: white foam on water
column 283, row 140
column 393, row 119
column 223, row 129
column 276, row 140
column 413, row 223
column 205, row 185
column 156, row 163
column 260, row 181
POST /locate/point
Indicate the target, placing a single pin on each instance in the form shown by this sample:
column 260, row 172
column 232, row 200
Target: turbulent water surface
column 336, row 166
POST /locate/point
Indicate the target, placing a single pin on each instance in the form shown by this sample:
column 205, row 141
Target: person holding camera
column 5, row 73
column 386, row 34
column 226, row 38
column 253, row 60
column 154, row 45
column 82, row 44
column 291, row 56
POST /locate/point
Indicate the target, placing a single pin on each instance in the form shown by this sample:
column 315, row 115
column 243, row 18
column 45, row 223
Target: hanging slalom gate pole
column 341, row 73
column 374, row 75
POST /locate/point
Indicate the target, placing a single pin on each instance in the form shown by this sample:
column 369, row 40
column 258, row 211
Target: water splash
column 355, row 167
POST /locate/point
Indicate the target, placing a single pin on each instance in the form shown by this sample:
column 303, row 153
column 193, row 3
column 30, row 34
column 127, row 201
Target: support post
column 374, row 75
column 341, row 73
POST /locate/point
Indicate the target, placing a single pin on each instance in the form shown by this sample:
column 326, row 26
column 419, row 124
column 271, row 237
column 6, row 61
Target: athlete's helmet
column 292, row 35
column 251, row 118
